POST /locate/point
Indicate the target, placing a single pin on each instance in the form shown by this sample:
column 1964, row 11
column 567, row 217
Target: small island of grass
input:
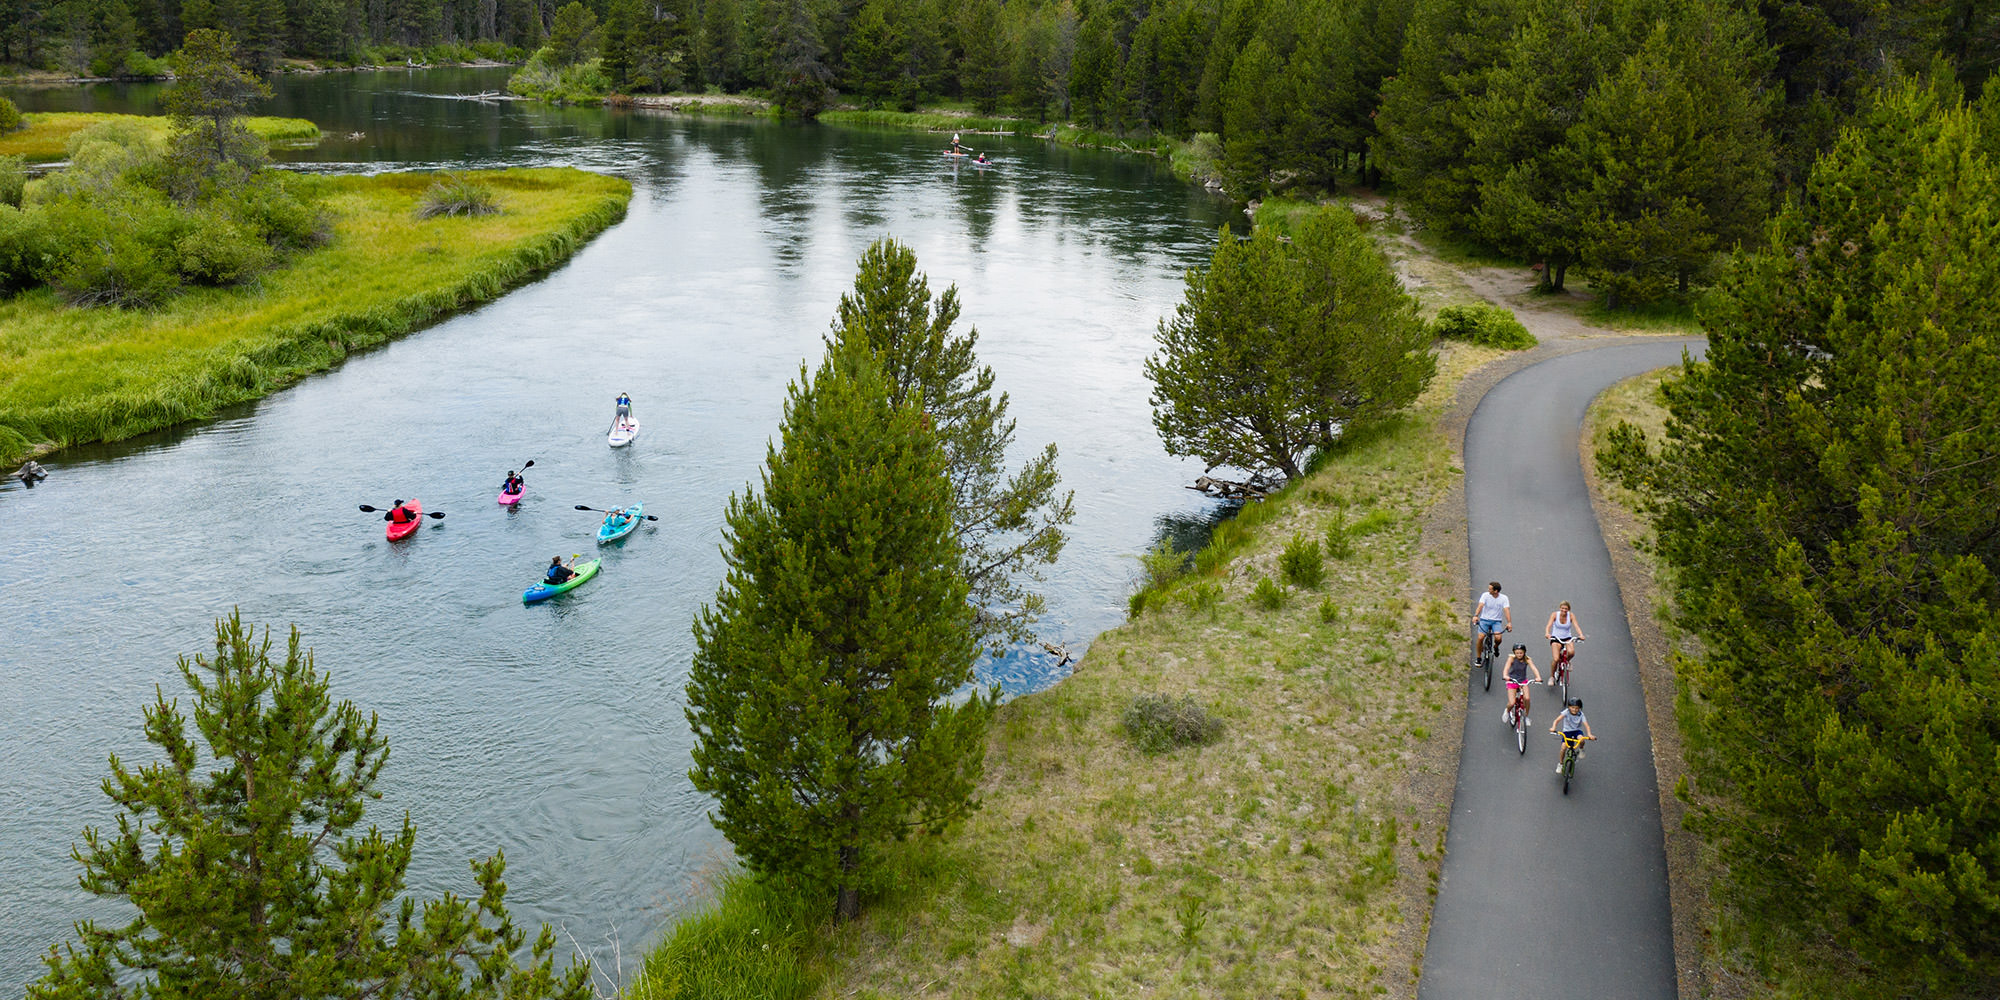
column 71, row 375
column 45, row 136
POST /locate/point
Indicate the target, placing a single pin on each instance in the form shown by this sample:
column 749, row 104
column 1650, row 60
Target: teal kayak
column 615, row 527
column 544, row 591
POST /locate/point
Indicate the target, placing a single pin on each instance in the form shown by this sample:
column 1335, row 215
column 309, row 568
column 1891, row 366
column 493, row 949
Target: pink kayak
column 510, row 499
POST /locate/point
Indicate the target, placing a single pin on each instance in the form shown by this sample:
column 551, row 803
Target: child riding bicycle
column 1573, row 727
column 1519, row 667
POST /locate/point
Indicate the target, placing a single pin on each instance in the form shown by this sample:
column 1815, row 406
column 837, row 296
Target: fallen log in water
column 1232, row 490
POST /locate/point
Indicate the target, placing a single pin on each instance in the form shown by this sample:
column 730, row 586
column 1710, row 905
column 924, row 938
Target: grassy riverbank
column 46, row 135
column 1296, row 856
column 72, row 375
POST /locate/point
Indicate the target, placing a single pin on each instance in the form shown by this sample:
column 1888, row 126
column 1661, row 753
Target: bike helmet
column 1578, row 702
column 1520, row 648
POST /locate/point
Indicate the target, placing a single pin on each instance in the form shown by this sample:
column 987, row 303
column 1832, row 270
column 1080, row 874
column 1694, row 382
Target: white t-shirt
column 1570, row 724
column 1491, row 607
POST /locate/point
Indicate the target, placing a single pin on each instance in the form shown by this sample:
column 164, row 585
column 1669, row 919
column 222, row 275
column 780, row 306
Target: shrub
column 1339, row 539
column 1156, row 723
column 1485, row 325
column 271, row 205
column 1268, row 595
column 1329, row 612
column 1203, row 596
column 1163, row 564
column 455, row 195
column 214, row 250
column 10, row 117
column 115, row 269
column 1136, row 604
column 20, row 249
column 13, row 179
column 1301, row 562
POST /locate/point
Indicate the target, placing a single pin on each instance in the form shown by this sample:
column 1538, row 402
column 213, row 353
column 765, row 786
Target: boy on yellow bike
column 1571, row 726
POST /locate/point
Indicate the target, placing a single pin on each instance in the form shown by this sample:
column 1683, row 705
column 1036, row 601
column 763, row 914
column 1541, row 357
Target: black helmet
column 1520, row 648
column 1578, row 702
column 399, row 503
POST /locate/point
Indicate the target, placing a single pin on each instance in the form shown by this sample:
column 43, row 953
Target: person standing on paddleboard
column 624, row 415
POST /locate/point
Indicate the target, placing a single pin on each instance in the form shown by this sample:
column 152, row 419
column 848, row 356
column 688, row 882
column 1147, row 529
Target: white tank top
column 1563, row 629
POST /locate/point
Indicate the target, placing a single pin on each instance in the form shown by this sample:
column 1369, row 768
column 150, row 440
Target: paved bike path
column 1544, row 894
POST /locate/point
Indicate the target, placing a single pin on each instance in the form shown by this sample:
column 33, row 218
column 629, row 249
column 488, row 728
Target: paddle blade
column 437, row 513
column 367, row 508
column 530, row 465
column 582, row 507
column 652, row 517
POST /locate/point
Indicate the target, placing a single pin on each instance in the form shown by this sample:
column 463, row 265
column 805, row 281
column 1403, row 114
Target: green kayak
column 544, row 591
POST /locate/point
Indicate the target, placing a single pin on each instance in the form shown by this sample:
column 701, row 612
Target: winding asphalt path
column 1543, row 894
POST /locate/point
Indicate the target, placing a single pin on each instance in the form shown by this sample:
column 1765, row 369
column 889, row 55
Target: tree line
column 1825, row 495
column 1631, row 139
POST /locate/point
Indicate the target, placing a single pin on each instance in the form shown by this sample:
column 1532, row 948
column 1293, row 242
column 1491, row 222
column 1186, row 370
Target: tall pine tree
column 821, row 693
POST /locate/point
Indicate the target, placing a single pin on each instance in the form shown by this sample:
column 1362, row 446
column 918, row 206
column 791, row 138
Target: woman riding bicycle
column 1563, row 632
column 1518, row 667
column 1574, row 727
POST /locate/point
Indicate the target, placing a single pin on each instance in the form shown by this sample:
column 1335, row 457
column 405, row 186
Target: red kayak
column 404, row 530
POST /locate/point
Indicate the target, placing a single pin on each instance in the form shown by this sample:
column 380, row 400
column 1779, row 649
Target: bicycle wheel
column 1569, row 767
column 1486, row 662
column 1521, row 731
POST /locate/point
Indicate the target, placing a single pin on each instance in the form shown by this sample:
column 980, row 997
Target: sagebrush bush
column 13, row 179
column 456, row 195
column 1268, row 595
column 1156, row 723
column 1301, row 562
column 218, row 251
column 1486, row 325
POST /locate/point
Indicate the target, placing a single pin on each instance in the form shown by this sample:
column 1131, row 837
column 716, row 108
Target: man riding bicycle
column 1574, row 728
column 1493, row 613
column 1518, row 667
column 1563, row 632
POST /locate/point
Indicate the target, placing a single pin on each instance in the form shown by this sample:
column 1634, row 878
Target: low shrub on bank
column 1301, row 562
column 456, row 194
column 1485, row 325
column 1156, row 723
column 10, row 116
column 13, row 180
column 579, row 83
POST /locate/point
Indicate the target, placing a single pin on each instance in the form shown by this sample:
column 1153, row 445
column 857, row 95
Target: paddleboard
column 543, row 591
column 397, row 531
column 611, row 532
column 622, row 435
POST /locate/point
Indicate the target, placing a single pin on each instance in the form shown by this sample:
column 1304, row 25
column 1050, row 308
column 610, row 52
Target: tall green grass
column 755, row 941
column 47, row 133
column 70, row 376
column 934, row 121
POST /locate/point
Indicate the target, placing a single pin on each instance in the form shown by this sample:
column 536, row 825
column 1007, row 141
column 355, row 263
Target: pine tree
column 1252, row 122
column 239, row 849
column 1007, row 526
column 719, row 50
column 570, row 37
column 1449, row 56
column 1826, row 496
column 1278, row 348
column 820, row 696
column 210, row 144
column 798, row 70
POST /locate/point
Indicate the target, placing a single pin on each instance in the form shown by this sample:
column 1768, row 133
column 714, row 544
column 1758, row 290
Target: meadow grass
column 930, row 120
column 1294, row 857
column 75, row 375
column 47, row 133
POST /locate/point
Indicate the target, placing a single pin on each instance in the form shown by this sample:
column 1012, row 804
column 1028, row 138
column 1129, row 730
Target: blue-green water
column 556, row 731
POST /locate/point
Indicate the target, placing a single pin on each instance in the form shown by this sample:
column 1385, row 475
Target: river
column 556, row 732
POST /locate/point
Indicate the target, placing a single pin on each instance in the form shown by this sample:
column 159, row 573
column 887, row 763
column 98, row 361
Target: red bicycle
column 1517, row 716
column 1559, row 670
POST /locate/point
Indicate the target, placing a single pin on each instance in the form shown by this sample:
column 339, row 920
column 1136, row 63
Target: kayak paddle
column 649, row 517
column 378, row 510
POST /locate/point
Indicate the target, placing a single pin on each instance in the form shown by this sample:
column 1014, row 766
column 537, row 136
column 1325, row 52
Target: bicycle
column 1572, row 751
column 1559, row 671
column 1517, row 716
column 1489, row 647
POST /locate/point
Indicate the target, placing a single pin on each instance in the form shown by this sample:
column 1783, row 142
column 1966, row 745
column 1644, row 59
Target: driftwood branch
column 1255, row 489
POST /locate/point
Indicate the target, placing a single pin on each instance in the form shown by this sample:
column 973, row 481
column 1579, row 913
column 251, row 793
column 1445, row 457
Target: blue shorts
column 1491, row 626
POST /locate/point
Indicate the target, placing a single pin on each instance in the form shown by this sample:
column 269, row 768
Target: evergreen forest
column 1630, row 140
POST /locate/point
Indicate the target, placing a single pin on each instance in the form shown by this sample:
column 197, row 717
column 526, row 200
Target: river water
column 556, row 732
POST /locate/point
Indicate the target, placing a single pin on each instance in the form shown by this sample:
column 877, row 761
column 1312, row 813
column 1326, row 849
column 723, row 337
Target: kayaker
column 558, row 574
column 400, row 514
column 513, row 483
column 615, row 517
